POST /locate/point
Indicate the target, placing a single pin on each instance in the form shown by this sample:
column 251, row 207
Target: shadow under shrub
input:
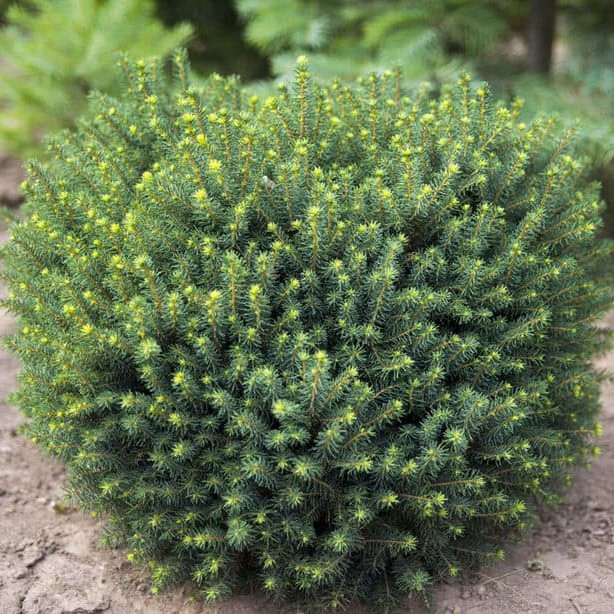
column 338, row 340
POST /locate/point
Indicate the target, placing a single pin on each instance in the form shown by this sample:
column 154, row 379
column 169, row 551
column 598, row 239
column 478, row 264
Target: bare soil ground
column 51, row 561
column 11, row 175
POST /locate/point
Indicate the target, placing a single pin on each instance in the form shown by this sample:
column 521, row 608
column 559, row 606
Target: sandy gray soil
column 51, row 562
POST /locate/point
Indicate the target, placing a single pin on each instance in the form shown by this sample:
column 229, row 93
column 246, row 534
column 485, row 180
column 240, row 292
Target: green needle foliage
column 347, row 38
column 53, row 52
column 337, row 341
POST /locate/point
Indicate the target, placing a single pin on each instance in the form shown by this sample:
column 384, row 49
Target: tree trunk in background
column 542, row 15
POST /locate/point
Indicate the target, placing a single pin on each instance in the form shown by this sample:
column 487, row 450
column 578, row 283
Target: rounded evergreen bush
column 337, row 341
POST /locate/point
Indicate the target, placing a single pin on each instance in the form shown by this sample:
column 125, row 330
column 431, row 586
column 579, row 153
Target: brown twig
column 511, row 588
column 497, row 578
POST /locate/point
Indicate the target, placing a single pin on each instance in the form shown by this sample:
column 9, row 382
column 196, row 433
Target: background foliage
column 218, row 43
column 54, row 52
column 347, row 38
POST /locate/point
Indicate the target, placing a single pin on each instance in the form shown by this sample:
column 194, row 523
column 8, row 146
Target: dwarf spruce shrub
column 334, row 343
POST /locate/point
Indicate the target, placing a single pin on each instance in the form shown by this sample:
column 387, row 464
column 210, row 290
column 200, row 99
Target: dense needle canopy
column 337, row 340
